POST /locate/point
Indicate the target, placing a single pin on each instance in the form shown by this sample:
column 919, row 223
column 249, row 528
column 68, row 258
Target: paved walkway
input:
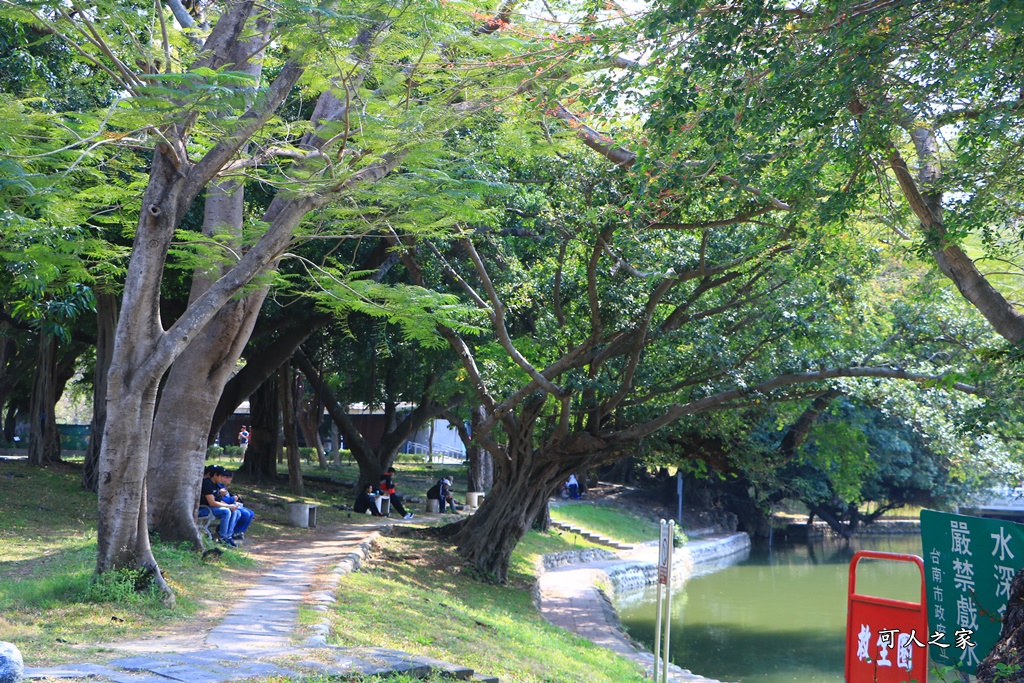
column 260, row 627
column 570, row 599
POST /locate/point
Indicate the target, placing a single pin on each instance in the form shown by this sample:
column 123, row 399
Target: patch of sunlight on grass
column 607, row 521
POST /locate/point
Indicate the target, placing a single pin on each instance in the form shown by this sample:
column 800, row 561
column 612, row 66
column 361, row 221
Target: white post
column 657, row 638
column 668, row 605
column 664, row 543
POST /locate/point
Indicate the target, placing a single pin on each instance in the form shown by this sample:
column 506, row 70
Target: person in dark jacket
column 442, row 493
column 365, row 501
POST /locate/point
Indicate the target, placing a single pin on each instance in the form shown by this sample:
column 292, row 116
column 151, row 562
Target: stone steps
column 591, row 536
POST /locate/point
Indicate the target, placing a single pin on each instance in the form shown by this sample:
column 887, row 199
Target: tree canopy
column 599, row 233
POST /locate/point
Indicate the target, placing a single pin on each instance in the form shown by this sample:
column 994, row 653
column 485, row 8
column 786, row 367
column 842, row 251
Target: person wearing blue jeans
column 245, row 515
column 210, row 495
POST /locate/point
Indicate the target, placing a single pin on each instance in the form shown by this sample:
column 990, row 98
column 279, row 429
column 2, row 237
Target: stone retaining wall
column 553, row 560
column 631, row 575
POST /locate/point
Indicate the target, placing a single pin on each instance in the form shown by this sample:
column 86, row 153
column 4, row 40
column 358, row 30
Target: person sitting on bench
column 365, row 502
column 245, row 515
column 227, row 513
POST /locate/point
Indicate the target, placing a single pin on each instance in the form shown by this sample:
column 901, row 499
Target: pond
column 778, row 616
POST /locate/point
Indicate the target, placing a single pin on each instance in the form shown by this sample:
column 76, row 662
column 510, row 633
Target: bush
column 213, row 452
column 124, row 586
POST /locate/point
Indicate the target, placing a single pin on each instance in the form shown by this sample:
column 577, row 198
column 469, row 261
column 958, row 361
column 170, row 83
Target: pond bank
column 573, row 592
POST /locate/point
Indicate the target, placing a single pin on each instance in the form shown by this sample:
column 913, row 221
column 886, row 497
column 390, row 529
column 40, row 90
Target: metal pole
column 679, row 494
column 657, row 620
column 657, row 638
column 668, row 602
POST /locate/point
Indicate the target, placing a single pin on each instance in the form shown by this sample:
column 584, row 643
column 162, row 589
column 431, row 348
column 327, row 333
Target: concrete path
column 570, row 599
column 259, row 629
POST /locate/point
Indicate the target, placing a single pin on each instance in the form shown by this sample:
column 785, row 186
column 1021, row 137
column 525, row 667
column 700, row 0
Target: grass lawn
column 610, row 522
column 415, row 596
column 51, row 605
column 412, row 595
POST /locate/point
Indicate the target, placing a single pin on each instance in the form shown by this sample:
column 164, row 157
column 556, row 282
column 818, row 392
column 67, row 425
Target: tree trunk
column 187, row 403
column 1008, row 652
column 543, row 520
column 264, row 443
column 520, row 493
column 197, row 377
column 827, row 516
column 286, row 387
column 44, row 443
column 106, row 324
column 122, row 534
column 480, row 473
column 336, row 444
column 307, row 416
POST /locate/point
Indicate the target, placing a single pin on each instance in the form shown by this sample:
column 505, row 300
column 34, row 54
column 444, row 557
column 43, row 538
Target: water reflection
column 777, row 617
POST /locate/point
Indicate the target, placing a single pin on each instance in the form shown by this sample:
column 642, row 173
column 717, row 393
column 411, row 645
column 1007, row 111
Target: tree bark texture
column 286, row 386
column 197, row 377
column 106, row 324
column 1009, row 649
column 187, row 404
column 264, row 443
column 524, row 481
column 43, row 442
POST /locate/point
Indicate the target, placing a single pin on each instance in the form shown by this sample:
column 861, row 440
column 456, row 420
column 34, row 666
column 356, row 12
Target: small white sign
column 663, row 552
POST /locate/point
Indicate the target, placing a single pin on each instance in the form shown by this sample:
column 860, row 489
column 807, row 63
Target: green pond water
column 778, row 616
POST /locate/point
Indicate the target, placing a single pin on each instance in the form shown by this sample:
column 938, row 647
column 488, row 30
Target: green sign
column 969, row 564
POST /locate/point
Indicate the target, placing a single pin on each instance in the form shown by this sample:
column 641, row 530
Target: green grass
column 51, row 604
column 613, row 523
column 415, row 596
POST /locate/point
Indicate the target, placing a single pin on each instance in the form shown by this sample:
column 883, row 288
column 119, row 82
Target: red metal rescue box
column 886, row 640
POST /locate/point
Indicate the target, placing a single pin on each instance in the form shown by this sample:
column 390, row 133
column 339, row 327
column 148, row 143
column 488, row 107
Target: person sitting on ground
column 442, row 493
column 245, row 515
column 227, row 513
column 387, row 487
column 365, row 502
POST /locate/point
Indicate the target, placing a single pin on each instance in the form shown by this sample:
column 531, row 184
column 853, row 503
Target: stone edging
column 554, row 560
column 635, row 574
column 631, row 574
column 350, row 562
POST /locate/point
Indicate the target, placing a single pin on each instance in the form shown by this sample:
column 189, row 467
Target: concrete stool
column 432, row 505
column 302, row 515
column 474, row 498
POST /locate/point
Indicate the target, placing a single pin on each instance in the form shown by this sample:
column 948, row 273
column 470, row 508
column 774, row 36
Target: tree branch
column 637, row 432
column 497, row 315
